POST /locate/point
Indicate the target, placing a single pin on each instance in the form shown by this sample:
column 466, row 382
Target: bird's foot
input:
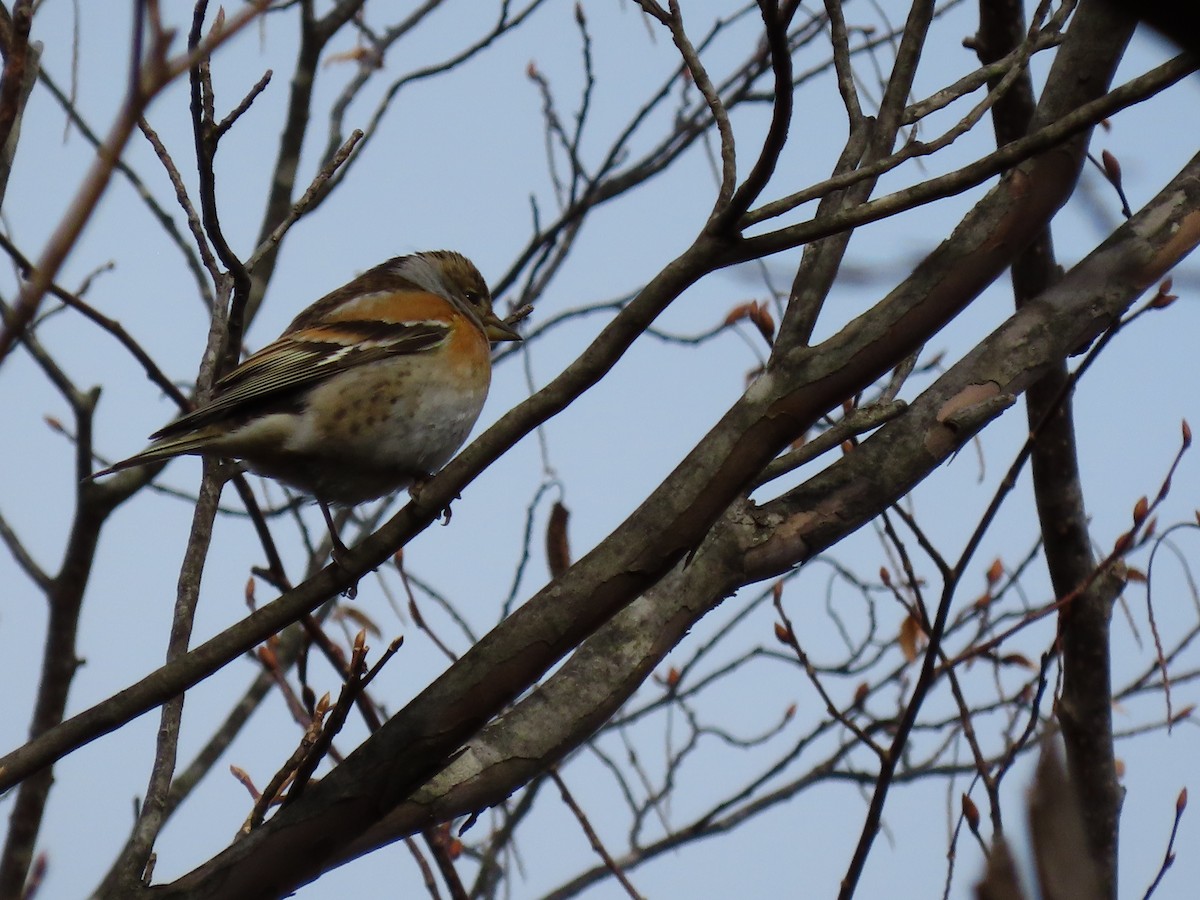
column 417, row 488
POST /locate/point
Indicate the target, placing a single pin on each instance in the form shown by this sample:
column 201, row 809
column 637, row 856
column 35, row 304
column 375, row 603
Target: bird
column 369, row 390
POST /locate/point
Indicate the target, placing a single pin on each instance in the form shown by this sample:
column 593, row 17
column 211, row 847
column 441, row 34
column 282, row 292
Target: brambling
column 369, row 390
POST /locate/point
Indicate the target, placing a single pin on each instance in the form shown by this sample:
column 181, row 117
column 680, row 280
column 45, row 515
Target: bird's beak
column 497, row 329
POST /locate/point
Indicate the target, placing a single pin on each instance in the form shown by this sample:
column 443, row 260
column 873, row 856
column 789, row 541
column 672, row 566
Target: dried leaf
column 1132, row 574
column 354, row 54
column 764, row 322
column 910, row 637
column 558, row 550
column 739, row 312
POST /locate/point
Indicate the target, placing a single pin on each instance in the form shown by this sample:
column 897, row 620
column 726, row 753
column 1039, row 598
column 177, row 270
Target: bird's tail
column 166, row 448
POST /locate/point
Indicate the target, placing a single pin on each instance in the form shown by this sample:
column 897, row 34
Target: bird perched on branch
column 370, row 389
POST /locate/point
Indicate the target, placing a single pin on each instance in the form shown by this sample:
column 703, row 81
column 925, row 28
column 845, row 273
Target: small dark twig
column 236, row 113
column 1169, row 854
column 341, row 710
column 593, row 838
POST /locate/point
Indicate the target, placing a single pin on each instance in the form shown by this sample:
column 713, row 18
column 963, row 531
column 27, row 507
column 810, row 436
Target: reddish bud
column 1140, row 510
column 1181, row 802
column 323, row 705
column 886, row 577
column 995, row 572
column 970, row 813
column 1163, row 297
column 242, row 776
column 1112, row 168
column 1123, row 543
column 672, row 677
column 790, row 712
column 558, row 550
column 1187, row 434
column 783, row 634
column 860, row 694
column 267, row 657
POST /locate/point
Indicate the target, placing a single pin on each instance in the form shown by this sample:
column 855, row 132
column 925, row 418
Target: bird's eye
column 474, row 298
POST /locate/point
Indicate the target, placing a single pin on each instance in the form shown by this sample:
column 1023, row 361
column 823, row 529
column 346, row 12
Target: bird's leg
column 339, row 550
